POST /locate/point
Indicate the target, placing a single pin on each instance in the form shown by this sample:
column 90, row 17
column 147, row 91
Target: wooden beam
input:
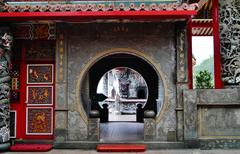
column 190, row 67
column 201, row 3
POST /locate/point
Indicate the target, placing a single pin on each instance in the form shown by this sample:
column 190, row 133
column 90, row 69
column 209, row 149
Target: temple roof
column 99, row 8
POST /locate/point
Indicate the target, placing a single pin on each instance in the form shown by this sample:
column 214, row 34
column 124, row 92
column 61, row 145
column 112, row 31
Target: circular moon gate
column 123, row 57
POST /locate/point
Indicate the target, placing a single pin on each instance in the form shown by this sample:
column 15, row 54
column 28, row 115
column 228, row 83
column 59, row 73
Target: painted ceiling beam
column 93, row 15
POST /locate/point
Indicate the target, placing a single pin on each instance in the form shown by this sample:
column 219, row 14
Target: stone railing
column 211, row 118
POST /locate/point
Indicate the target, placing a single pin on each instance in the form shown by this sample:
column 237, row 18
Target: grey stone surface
column 61, row 119
column 149, row 129
column 220, row 144
column 220, row 96
column 61, row 54
column 93, row 129
column 180, row 125
column 182, row 60
column 77, row 129
column 4, row 146
column 190, row 114
column 61, row 96
column 219, row 122
column 191, row 143
column 87, row 40
column 60, row 135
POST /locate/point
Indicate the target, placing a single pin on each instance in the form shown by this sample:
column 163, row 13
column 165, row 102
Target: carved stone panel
column 149, row 129
column 39, row 121
column 219, row 122
column 219, row 96
column 190, row 114
column 230, row 38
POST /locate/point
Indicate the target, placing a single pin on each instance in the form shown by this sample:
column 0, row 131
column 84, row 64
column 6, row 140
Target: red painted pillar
column 190, row 69
column 216, row 43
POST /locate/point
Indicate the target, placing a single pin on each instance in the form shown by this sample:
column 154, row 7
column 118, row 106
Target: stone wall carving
column 230, row 38
column 220, row 144
column 219, row 122
column 211, row 118
column 5, row 65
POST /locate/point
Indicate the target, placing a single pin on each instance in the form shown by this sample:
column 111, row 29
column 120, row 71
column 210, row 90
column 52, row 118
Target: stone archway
column 156, row 67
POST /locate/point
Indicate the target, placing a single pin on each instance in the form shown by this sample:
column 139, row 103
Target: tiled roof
column 130, row 6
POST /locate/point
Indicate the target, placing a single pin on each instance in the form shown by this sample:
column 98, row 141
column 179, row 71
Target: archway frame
column 114, row 51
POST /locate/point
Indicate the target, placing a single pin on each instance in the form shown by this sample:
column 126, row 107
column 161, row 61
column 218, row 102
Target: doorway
column 115, row 76
column 126, row 90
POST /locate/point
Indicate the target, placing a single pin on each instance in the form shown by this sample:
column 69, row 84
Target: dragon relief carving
column 230, row 38
column 5, row 66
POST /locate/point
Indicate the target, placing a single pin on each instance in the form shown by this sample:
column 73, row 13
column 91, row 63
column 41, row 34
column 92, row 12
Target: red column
column 190, row 69
column 216, row 43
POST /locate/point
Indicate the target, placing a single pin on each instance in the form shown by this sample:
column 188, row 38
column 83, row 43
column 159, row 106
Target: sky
column 202, row 47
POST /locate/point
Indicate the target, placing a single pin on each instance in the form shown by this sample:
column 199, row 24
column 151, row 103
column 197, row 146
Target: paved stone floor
column 121, row 131
column 179, row 151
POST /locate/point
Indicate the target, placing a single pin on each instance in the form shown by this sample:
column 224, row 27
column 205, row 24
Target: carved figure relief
column 39, row 95
column 39, row 121
column 230, row 38
column 40, row 74
column 5, row 66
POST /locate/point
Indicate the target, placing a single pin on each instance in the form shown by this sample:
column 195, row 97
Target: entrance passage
column 131, row 86
column 126, row 90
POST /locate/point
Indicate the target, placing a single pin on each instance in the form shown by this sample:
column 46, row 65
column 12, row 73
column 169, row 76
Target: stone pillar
column 61, row 107
column 5, row 65
column 93, row 129
column 149, row 125
column 182, row 75
column 190, row 119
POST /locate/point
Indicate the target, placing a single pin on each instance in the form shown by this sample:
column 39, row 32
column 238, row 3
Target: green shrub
column 204, row 80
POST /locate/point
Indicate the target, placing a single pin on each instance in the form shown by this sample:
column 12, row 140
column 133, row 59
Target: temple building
column 72, row 70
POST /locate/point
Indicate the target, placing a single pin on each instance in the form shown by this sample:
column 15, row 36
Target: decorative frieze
column 34, row 31
column 230, row 38
column 100, row 6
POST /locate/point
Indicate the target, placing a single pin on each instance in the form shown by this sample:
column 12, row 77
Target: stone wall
column 230, row 38
column 211, row 116
column 85, row 41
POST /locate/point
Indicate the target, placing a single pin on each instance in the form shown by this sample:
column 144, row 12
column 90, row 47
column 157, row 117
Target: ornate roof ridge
column 101, row 6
